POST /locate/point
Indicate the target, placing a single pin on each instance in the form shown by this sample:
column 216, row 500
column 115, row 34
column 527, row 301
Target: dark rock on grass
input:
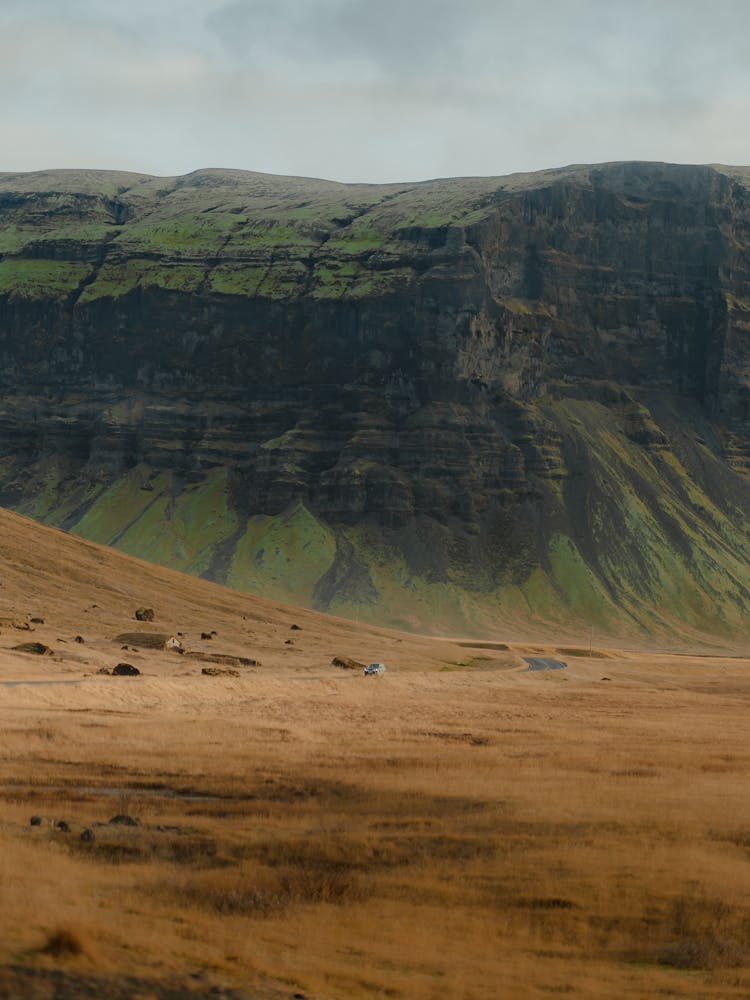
column 347, row 663
column 226, row 659
column 145, row 614
column 148, row 640
column 123, row 819
column 35, row 821
column 37, row 648
column 220, row 672
column 126, row 670
column 79, row 638
column 63, row 943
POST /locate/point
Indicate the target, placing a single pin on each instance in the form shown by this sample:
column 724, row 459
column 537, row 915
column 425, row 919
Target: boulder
column 126, row 670
column 122, row 819
column 148, row 640
column 347, row 663
column 37, row 648
column 145, row 614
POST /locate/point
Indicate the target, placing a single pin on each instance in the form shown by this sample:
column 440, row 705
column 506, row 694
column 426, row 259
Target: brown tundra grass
column 427, row 835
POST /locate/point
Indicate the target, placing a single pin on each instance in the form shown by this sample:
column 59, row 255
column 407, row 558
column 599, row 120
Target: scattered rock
column 289, row 642
column 79, row 638
column 87, row 836
column 37, row 621
column 224, row 658
column 295, row 628
column 206, row 635
column 23, row 626
column 347, row 663
column 63, row 943
column 104, row 670
column 122, row 819
column 145, row 614
column 62, row 826
column 174, row 644
column 36, row 821
column 126, row 670
column 37, row 648
column 124, row 647
column 214, row 632
column 148, row 640
column 606, row 678
column 220, row 672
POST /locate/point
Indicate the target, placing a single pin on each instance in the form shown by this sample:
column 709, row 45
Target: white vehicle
column 374, row 668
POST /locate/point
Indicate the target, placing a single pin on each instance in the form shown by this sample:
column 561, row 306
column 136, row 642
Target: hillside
column 457, row 405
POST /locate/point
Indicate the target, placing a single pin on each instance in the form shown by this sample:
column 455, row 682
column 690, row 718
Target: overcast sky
column 371, row 90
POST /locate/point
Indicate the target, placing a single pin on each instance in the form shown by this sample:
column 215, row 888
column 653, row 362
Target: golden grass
column 474, row 832
column 432, row 836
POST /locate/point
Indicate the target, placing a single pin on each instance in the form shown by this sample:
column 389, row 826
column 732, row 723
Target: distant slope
column 73, row 586
column 443, row 406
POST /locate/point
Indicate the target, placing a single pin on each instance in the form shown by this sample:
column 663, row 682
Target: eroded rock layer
column 454, row 404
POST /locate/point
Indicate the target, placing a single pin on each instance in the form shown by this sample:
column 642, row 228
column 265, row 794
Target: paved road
column 544, row 663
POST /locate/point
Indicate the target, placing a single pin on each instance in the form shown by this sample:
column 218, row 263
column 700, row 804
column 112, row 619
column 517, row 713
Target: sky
column 371, row 90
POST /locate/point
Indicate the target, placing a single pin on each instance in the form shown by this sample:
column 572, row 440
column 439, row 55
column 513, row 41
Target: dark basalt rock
column 37, row 648
column 125, row 670
column 528, row 392
column 123, row 819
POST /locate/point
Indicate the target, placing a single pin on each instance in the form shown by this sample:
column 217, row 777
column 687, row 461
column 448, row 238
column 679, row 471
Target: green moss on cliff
column 282, row 556
column 163, row 523
column 116, row 280
column 33, row 279
column 236, row 279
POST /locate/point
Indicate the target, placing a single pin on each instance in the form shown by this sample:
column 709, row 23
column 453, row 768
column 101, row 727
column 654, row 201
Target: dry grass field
column 460, row 827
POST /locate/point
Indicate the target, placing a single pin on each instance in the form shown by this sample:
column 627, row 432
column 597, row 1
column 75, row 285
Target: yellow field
column 444, row 831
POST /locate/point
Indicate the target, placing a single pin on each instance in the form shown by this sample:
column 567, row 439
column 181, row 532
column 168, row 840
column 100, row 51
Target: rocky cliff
column 447, row 405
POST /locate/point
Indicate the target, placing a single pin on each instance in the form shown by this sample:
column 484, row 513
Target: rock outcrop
column 450, row 404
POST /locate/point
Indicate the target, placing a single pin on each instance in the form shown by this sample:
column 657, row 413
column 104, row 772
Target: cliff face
column 448, row 405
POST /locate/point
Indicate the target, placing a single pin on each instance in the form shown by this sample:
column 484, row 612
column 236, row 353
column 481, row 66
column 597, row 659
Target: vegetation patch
column 32, row 279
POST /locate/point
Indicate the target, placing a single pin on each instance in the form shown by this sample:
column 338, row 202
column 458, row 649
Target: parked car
column 374, row 668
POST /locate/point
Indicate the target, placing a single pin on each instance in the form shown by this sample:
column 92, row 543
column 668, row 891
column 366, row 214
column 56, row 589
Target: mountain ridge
column 460, row 402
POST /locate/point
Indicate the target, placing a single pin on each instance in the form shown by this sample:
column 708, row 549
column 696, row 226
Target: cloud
column 356, row 90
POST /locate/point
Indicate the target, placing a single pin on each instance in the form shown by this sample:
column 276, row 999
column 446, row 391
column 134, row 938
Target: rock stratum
column 455, row 405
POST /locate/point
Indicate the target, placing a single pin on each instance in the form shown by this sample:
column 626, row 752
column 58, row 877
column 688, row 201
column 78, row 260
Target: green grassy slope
column 635, row 539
